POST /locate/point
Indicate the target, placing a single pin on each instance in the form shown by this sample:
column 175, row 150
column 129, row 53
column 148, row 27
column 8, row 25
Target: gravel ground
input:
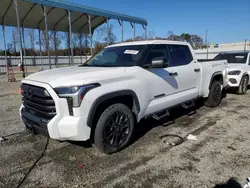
column 160, row 155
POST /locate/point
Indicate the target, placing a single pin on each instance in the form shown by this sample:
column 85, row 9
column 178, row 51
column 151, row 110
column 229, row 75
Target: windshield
column 232, row 57
column 116, row 56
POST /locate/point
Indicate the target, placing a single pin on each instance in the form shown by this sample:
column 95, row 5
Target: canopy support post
column 90, row 33
column 40, row 46
column 24, row 50
column 5, row 51
column 70, row 39
column 121, row 24
column 134, row 31
column 81, row 51
column 122, row 30
column 55, row 47
column 46, row 34
column 20, row 36
column 133, row 26
column 108, row 39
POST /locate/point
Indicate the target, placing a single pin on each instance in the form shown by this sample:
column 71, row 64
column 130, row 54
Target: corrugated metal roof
column 31, row 15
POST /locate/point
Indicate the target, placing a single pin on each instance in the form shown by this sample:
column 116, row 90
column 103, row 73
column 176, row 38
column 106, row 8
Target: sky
column 226, row 20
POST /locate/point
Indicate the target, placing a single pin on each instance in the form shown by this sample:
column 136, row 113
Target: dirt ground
column 160, row 155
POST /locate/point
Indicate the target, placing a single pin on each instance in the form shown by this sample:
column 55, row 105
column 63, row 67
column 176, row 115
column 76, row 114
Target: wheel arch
column 245, row 74
column 216, row 76
column 108, row 97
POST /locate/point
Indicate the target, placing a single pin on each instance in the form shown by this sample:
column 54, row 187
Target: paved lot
column 221, row 152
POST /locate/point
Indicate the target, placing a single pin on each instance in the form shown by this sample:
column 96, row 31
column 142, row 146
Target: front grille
column 37, row 101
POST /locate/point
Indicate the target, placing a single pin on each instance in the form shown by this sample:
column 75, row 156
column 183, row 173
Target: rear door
column 186, row 71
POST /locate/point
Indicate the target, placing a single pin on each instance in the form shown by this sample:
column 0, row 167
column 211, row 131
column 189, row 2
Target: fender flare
column 212, row 78
column 108, row 96
column 246, row 73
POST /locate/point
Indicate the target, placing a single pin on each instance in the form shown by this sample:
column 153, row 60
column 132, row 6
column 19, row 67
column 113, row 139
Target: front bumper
column 62, row 126
column 234, row 81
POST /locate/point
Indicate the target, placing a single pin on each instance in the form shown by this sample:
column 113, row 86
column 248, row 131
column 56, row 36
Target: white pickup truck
column 103, row 99
column 239, row 69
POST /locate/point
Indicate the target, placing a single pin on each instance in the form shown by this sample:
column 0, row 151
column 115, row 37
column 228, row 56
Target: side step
column 161, row 114
column 189, row 106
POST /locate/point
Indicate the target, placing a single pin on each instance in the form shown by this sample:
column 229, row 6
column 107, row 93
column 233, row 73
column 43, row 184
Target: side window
column 249, row 59
column 179, row 55
column 159, row 50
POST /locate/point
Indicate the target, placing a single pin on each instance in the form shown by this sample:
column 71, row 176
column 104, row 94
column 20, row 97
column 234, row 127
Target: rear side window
column 249, row 59
column 233, row 57
column 179, row 55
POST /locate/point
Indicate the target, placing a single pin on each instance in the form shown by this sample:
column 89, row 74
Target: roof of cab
column 145, row 42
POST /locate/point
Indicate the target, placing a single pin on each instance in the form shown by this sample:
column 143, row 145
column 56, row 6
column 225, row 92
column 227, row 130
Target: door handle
column 173, row 74
column 197, row 70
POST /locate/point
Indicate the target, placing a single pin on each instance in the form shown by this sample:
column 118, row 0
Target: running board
column 160, row 115
column 189, row 107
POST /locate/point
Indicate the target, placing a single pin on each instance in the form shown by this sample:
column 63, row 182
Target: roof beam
column 78, row 19
column 7, row 10
column 28, row 13
column 46, row 13
column 88, row 22
column 61, row 19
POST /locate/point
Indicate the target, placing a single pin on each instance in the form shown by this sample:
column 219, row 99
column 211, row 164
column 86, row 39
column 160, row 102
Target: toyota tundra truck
column 103, row 99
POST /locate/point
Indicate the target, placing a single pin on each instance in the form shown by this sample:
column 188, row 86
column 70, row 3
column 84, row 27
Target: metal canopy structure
column 57, row 15
column 31, row 15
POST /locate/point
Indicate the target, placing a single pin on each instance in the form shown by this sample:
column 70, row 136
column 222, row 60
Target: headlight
column 75, row 93
column 67, row 90
column 236, row 72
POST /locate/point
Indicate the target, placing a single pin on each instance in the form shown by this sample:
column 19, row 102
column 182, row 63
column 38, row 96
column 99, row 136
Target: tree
column 137, row 38
column 54, row 38
column 170, row 33
column 15, row 40
column 109, row 37
column 185, row 37
column 174, row 37
column 150, row 35
column 196, row 41
column 32, row 40
column 102, row 37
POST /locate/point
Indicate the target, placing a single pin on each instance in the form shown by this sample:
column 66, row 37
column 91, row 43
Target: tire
column 243, row 85
column 114, row 129
column 215, row 95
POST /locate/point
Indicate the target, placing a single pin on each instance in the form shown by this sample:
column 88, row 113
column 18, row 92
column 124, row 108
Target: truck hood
column 236, row 66
column 70, row 76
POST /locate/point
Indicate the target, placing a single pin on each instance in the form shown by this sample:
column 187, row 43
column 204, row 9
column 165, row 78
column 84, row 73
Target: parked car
column 239, row 69
column 103, row 99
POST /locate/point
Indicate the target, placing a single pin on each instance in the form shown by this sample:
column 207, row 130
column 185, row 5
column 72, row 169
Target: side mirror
column 158, row 62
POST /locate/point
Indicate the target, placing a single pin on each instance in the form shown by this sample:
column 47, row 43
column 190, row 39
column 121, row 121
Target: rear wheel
column 215, row 95
column 114, row 129
column 243, row 85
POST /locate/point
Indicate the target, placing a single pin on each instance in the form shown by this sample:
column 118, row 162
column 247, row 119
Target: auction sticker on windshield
column 133, row 52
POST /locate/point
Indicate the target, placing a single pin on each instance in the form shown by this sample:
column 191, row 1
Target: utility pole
column 206, row 43
column 245, row 46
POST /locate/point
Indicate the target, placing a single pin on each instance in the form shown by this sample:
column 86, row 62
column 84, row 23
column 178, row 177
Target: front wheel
column 214, row 97
column 114, row 129
column 243, row 85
